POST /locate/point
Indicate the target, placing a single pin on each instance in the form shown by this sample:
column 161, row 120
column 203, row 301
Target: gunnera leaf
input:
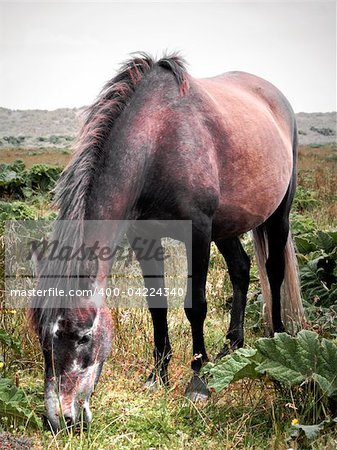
column 240, row 364
column 13, row 403
column 310, row 431
column 294, row 360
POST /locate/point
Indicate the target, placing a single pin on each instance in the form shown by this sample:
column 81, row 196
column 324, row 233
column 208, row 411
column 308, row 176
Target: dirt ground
column 35, row 156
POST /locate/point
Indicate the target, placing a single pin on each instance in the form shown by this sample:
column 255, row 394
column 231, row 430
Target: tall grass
column 250, row 415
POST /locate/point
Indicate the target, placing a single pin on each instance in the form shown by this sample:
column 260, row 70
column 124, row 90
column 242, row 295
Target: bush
column 15, row 211
column 18, row 182
column 14, row 403
column 11, row 178
column 324, row 131
column 283, row 358
column 317, row 256
column 301, row 224
column 42, row 177
column 13, row 140
column 305, row 199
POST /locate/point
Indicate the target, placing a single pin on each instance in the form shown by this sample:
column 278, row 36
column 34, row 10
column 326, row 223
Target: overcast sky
column 56, row 55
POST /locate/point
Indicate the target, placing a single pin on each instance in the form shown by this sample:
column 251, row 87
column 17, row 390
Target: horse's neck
column 118, row 182
column 128, row 151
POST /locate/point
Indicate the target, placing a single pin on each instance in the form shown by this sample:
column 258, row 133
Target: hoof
column 155, row 380
column 197, row 390
column 197, row 397
column 280, row 329
column 224, row 352
column 151, row 383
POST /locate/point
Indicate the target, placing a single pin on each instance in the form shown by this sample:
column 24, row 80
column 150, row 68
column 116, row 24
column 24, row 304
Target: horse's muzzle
column 67, row 413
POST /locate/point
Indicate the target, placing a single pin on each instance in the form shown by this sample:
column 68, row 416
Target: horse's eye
column 84, row 339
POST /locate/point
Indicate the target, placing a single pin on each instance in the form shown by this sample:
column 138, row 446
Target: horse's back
column 241, row 94
column 254, row 148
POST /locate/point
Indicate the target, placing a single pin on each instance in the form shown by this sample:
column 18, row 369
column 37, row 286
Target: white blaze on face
column 55, row 326
column 76, row 367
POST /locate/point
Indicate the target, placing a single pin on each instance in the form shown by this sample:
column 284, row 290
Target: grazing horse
column 159, row 144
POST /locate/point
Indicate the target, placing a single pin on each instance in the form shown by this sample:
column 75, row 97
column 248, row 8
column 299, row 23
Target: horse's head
column 73, row 322
column 75, row 346
column 75, row 343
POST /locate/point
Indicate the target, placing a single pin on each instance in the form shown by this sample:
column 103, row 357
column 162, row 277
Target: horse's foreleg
column 238, row 264
column 162, row 349
column 197, row 308
column 153, row 274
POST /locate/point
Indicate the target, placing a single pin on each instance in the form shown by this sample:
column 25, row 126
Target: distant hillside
column 38, row 128
column 42, row 128
column 316, row 128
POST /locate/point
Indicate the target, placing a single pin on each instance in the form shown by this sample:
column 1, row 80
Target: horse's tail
column 291, row 302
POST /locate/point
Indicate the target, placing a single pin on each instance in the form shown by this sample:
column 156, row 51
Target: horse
column 159, row 144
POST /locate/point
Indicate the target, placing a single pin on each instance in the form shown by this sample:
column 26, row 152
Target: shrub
column 323, row 131
column 15, row 211
column 290, row 360
column 304, row 366
column 42, row 177
column 15, row 405
column 317, row 256
column 305, row 199
column 11, row 178
column 301, row 224
column 18, row 182
column 13, row 140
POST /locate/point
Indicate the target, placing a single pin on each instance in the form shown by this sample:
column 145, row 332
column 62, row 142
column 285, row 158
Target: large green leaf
column 324, row 241
column 304, row 244
column 13, row 403
column 327, row 241
column 310, row 431
column 294, row 360
column 238, row 365
column 6, row 174
column 317, row 280
column 289, row 360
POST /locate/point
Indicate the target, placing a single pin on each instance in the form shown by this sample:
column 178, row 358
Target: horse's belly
column 251, row 190
column 255, row 172
column 233, row 220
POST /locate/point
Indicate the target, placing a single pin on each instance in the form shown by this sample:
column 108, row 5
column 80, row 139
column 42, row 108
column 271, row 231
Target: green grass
column 249, row 415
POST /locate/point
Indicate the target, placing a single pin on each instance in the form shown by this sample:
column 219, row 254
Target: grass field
column 251, row 414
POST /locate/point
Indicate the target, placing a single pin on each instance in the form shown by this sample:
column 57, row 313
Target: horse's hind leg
column 277, row 229
column 274, row 232
column 238, row 264
column 196, row 312
column 153, row 274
